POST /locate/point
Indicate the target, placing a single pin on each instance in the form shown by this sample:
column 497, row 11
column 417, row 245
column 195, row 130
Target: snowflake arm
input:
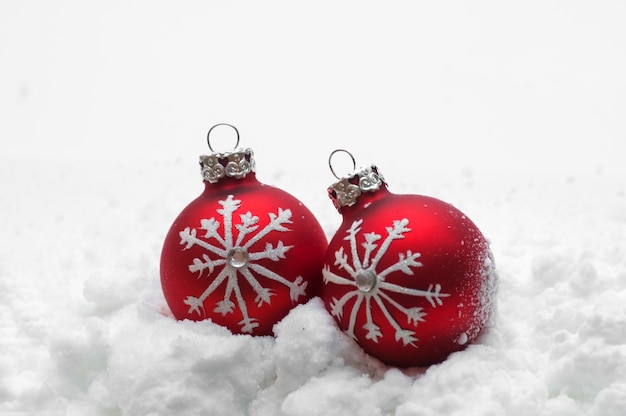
column 413, row 315
column 394, row 233
column 336, row 306
column 352, row 232
column 194, row 302
column 195, row 305
column 229, row 206
column 341, row 260
column 276, row 224
column 369, row 246
column 231, row 282
column 332, row 277
column 296, row 288
column 405, row 335
column 282, row 217
column 404, row 264
column 433, row 297
column 247, row 226
column 247, row 323
column 353, row 313
column 226, row 306
column 271, row 252
column 263, row 295
column 373, row 330
column 199, row 266
column 211, row 226
column 188, row 236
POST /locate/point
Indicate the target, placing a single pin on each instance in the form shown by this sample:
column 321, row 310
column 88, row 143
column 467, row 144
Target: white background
column 525, row 85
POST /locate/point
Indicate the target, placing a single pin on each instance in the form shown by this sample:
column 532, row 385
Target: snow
column 511, row 112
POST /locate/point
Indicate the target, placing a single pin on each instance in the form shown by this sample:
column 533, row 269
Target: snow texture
column 512, row 112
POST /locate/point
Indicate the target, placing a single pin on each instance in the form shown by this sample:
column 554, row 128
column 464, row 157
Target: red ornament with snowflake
column 242, row 254
column 410, row 278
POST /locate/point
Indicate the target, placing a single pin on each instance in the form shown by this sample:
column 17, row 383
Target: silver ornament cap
column 350, row 187
column 236, row 163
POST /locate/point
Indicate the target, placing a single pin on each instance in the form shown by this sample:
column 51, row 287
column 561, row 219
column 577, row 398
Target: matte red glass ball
column 409, row 277
column 242, row 254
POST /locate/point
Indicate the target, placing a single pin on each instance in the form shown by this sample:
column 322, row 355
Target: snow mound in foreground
column 86, row 331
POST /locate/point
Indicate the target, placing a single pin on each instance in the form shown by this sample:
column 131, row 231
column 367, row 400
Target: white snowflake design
column 235, row 257
column 370, row 285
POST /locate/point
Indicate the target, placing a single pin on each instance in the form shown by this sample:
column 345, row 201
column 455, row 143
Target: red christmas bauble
column 242, row 254
column 410, row 278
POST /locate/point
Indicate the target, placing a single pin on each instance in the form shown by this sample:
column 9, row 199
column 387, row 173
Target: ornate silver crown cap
column 233, row 164
column 236, row 163
column 347, row 190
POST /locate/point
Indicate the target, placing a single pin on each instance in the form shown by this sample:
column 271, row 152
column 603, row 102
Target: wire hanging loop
column 208, row 136
column 330, row 160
